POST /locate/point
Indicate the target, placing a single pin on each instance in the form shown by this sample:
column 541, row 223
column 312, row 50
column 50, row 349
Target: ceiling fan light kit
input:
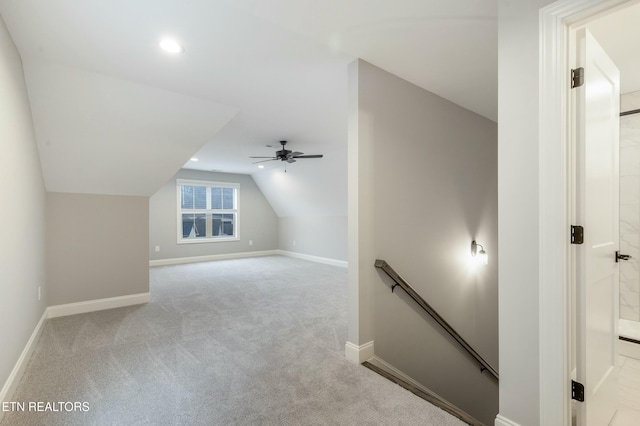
column 286, row 155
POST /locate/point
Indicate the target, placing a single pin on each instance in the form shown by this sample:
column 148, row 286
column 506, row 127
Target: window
column 207, row 211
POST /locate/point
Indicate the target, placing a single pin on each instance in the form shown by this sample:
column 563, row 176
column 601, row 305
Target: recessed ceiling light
column 170, row 45
column 261, row 166
column 194, row 159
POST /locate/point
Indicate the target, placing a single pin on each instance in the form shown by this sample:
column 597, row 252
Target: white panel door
column 597, row 142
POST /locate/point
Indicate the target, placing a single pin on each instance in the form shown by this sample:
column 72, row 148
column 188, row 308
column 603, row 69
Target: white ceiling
column 97, row 134
column 447, row 47
column 281, row 65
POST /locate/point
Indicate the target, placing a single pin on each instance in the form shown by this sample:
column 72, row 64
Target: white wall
column 519, row 209
column 22, row 214
column 427, row 181
column 258, row 221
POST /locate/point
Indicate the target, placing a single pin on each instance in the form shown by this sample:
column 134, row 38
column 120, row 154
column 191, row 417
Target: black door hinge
column 577, row 77
column 577, row 234
column 577, row 391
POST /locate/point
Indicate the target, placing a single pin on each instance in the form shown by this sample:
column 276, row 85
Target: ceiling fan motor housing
column 283, row 153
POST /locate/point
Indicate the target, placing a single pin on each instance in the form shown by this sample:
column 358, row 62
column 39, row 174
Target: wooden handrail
column 399, row 281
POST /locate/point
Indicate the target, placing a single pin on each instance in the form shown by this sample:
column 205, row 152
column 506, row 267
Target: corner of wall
column 22, row 252
column 358, row 354
column 11, row 384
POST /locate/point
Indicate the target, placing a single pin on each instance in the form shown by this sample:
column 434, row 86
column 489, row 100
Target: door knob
column 622, row 256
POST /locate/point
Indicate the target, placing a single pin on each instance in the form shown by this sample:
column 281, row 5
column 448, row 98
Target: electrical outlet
column 157, row 248
column 250, row 242
column 39, row 292
column 294, row 242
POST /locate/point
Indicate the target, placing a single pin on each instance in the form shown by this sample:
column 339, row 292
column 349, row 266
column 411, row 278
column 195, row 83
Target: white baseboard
column 9, row 388
column 325, row 260
column 358, row 354
column 209, row 258
column 12, row 381
column 503, row 421
column 97, row 305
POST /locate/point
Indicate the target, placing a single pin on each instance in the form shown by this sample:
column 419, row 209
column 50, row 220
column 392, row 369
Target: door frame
column 555, row 200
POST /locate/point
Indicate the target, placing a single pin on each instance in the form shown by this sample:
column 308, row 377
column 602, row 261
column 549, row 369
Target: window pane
column 193, row 225
column 223, row 225
column 216, row 198
column 227, row 198
column 194, row 197
column 187, row 225
column 227, row 224
column 187, row 197
column 216, row 223
column 200, row 197
column 201, row 226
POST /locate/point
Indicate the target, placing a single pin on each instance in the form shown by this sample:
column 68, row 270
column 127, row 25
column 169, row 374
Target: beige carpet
column 255, row 341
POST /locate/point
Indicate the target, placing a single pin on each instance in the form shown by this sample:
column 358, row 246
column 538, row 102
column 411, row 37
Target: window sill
column 208, row 240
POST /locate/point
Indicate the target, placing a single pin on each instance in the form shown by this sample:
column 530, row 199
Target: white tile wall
column 630, row 190
column 630, row 208
column 629, row 159
column 630, row 101
column 630, row 130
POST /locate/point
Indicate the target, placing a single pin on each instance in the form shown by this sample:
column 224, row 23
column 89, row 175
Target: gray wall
column 22, row 214
column 258, row 222
column 427, row 173
column 96, row 246
column 317, row 236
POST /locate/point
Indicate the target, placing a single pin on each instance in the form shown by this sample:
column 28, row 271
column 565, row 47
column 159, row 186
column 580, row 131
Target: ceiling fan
column 286, row 155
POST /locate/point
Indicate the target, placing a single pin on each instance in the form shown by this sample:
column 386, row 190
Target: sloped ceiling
column 114, row 114
column 447, row 47
column 97, row 134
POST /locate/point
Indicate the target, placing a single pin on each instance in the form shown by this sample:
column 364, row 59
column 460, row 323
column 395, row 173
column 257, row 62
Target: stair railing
column 399, row 281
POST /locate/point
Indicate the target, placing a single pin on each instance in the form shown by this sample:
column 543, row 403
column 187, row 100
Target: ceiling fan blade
column 286, row 155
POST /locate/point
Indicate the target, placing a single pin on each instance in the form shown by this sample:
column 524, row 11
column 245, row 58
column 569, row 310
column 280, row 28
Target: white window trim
column 208, row 184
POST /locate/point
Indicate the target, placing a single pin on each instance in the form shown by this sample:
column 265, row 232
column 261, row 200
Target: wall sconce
column 480, row 256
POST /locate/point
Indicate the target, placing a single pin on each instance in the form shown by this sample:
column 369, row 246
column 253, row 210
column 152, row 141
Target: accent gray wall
column 258, row 221
column 426, row 176
column 317, row 236
column 96, row 246
column 22, row 214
